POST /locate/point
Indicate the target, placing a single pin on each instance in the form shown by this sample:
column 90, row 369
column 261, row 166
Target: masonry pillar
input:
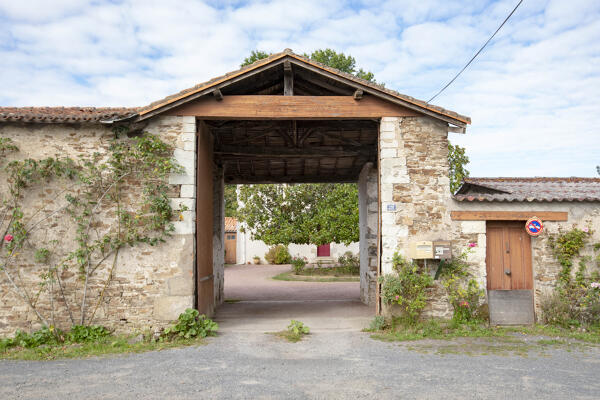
column 414, row 184
column 179, row 291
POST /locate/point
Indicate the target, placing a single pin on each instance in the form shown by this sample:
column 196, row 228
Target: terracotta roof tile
column 64, row 114
column 529, row 189
column 230, row 224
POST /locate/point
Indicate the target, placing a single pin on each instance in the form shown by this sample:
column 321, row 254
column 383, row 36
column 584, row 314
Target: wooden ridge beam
column 508, row 215
column 291, row 107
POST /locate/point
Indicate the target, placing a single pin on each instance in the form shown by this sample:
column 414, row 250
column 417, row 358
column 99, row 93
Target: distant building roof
column 230, row 224
column 64, row 114
column 529, row 189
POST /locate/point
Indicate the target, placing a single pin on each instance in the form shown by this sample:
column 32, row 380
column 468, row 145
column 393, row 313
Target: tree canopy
column 457, row 159
column 300, row 213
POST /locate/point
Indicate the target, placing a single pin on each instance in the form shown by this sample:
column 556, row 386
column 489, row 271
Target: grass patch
column 289, row 336
column 290, row 276
column 447, row 337
column 399, row 331
column 295, row 331
column 105, row 346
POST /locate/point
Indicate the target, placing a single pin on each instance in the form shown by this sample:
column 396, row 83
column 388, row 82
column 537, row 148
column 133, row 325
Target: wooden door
column 230, row 247
column 508, row 256
column 509, row 273
column 324, row 250
column 204, row 223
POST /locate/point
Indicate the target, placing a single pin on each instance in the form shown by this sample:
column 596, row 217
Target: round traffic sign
column 534, row 226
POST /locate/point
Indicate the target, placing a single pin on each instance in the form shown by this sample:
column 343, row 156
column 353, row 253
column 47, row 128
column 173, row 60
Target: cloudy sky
column 533, row 94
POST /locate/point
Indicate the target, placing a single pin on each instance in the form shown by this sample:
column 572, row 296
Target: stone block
column 168, row 308
column 472, row 227
column 187, row 225
column 181, row 286
column 176, row 204
column 388, row 153
column 188, row 191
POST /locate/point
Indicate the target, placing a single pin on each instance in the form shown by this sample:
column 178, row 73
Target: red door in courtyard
column 324, row 250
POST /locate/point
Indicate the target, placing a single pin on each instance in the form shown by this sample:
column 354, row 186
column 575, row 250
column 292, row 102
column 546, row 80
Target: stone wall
column 151, row 285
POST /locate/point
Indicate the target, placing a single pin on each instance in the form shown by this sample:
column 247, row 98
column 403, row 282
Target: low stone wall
column 151, row 285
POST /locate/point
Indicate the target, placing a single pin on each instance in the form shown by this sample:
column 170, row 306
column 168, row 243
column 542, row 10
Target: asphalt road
column 328, row 365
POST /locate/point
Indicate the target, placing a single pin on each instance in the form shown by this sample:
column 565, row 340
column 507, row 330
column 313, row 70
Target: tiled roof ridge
column 476, row 180
column 64, row 114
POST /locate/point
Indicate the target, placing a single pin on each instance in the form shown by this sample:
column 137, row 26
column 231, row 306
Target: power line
column 476, row 54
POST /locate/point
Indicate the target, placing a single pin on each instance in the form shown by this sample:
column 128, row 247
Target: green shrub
column 377, row 323
column 278, row 254
column 191, row 324
column 464, row 297
column 298, row 328
column 407, row 287
column 556, row 310
column 349, row 263
column 298, row 264
column 86, row 333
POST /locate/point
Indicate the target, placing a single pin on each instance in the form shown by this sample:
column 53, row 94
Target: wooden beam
column 456, row 129
column 508, row 215
column 358, row 94
column 286, row 152
column 217, row 94
column 291, row 179
column 292, row 107
column 323, row 85
column 288, row 79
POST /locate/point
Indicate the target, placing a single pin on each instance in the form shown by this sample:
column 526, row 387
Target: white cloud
column 533, row 90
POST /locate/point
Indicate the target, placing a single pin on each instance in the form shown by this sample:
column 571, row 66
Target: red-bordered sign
column 534, row 226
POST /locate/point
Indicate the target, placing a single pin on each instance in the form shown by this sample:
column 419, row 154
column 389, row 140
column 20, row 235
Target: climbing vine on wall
column 113, row 200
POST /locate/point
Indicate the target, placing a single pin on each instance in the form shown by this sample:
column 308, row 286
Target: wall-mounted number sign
column 534, row 226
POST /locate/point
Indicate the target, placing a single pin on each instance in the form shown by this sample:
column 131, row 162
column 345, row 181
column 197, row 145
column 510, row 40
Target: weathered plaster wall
column 152, row 284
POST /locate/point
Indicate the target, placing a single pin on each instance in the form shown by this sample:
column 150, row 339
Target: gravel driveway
column 328, row 365
column 336, row 361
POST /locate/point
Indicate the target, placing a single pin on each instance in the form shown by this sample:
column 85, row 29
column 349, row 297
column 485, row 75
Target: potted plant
column 256, row 260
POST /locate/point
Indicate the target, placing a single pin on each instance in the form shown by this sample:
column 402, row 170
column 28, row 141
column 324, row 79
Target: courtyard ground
column 257, row 303
column 336, row 361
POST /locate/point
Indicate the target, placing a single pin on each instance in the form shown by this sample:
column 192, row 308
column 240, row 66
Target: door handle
column 507, row 271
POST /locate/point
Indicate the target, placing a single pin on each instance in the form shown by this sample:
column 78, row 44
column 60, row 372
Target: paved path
column 268, row 305
column 253, row 282
column 327, row 365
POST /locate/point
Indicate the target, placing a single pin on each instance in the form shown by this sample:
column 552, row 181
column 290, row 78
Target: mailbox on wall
column 421, row 250
column 442, row 250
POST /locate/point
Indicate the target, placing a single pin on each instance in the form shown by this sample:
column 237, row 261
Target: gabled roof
column 278, row 58
column 529, row 189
